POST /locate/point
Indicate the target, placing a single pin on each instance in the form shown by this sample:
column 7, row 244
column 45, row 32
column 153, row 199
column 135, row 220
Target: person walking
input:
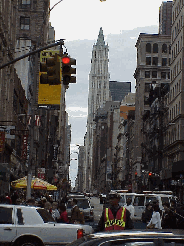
column 147, row 214
column 63, row 214
column 115, row 217
column 168, row 217
column 130, row 207
column 155, row 222
column 55, row 212
column 77, row 216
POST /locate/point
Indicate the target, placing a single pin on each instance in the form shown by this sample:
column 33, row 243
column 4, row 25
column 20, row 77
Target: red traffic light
column 136, row 173
column 66, row 60
column 150, row 174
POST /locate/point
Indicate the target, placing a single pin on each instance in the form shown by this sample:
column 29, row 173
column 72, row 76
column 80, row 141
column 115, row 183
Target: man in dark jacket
column 114, row 207
column 168, row 217
column 77, row 216
column 147, row 214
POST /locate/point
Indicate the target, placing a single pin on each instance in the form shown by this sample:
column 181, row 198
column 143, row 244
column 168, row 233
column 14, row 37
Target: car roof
column 101, row 237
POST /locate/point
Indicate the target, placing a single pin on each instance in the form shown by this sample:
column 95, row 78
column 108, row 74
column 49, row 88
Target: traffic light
column 135, row 174
column 150, row 174
column 50, row 72
column 68, row 70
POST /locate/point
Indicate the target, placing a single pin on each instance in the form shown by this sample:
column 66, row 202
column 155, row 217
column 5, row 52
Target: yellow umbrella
column 36, row 183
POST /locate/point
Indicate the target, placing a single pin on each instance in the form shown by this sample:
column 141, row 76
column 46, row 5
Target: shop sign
column 2, row 141
column 41, row 173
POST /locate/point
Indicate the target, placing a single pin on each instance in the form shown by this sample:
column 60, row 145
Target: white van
column 140, row 201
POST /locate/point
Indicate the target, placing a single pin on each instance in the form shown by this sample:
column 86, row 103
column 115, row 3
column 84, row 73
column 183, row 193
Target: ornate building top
column 100, row 40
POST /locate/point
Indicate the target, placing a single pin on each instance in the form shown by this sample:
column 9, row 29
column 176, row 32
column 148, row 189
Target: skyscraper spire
column 100, row 40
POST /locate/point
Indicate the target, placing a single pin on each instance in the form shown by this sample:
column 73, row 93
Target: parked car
column 133, row 238
column 84, row 206
column 34, row 226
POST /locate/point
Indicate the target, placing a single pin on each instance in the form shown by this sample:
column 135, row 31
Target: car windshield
column 46, row 216
column 83, row 203
column 150, row 199
column 165, row 199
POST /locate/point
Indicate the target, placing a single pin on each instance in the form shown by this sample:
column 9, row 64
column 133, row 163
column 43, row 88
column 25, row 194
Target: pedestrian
column 178, row 210
column 115, row 217
column 8, row 199
column 147, row 213
column 63, row 214
column 155, row 222
column 30, row 202
column 130, row 207
column 77, row 216
column 168, row 217
column 55, row 211
column 48, row 207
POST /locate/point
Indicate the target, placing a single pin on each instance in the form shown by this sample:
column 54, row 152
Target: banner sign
column 24, row 147
column 2, row 141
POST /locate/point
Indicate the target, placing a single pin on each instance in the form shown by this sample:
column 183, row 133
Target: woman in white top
column 155, row 221
column 130, row 208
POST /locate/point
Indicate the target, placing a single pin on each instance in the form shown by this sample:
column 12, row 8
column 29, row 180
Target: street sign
column 18, row 132
column 7, row 130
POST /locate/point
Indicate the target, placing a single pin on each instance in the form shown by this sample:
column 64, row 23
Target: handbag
column 151, row 226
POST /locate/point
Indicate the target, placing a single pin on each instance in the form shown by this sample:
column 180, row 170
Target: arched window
column 178, row 46
column 173, row 92
column 179, row 108
column 172, row 114
column 148, row 48
column 177, row 88
column 155, row 48
column 164, row 48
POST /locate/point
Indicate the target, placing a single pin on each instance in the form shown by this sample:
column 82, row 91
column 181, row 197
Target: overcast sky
column 81, row 20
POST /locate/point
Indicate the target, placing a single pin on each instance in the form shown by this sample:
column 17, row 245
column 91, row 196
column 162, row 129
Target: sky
column 82, row 19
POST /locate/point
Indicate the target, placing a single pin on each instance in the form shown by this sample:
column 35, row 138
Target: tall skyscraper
column 165, row 18
column 98, row 94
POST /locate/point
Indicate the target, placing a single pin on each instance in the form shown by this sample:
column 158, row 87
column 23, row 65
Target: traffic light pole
column 60, row 42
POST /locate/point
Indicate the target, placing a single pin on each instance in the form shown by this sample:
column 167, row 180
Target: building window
column 25, row 4
column 163, row 75
column 148, row 48
column 155, row 48
column 154, row 74
column 169, row 49
column 164, row 61
column 168, row 75
column 147, row 74
column 24, row 23
column 164, row 48
column 147, row 87
column 155, row 61
column 148, row 60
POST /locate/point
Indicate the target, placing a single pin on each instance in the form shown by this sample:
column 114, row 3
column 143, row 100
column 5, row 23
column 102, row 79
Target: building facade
column 153, row 67
column 98, row 95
